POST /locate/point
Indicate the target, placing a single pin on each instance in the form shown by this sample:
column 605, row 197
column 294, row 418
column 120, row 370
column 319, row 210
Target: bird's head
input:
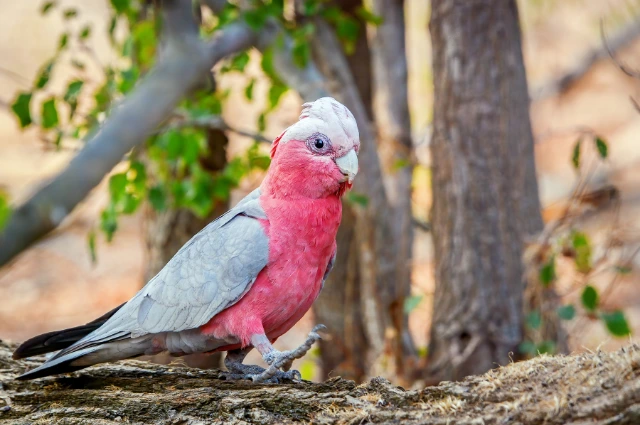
column 317, row 156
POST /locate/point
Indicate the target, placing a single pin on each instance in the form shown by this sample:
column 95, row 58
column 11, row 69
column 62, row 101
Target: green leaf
column 112, row 28
column 64, row 39
column 347, row 29
column 70, row 13
column 566, row 312
column 73, row 90
column 71, row 96
column 49, row 113
column 548, row 272
column 45, row 75
column 91, row 241
column 546, row 347
column 158, row 198
column 228, row 14
column 589, row 298
column 120, row 6
column 616, row 323
column 401, row 163
column 534, row 320
column 144, row 36
column 117, row 185
column 275, row 93
column 5, row 209
column 602, row 147
column 528, row 348
column 85, row 33
column 128, row 79
column 239, row 62
column 47, row 6
column 301, row 52
column 357, row 199
column 368, row 16
column 582, row 249
column 127, row 47
column 267, row 65
column 248, row 91
column 20, row 107
column 255, row 19
column 623, row 269
column 58, row 140
column 575, row 158
column 109, row 222
column 410, row 303
column 262, row 122
column 310, row 7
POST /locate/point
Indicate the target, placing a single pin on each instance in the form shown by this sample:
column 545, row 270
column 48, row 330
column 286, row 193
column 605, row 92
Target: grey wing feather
column 332, row 261
column 209, row 273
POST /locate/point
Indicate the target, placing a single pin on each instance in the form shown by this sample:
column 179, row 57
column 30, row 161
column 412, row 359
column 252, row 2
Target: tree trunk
column 484, row 185
column 167, row 231
column 362, row 302
column 391, row 111
column 594, row 388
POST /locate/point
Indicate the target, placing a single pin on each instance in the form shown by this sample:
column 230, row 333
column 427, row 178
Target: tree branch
column 595, row 388
column 183, row 66
column 607, row 49
column 214, row 122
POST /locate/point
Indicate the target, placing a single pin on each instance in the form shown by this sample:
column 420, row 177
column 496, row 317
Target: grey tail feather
column 58, row 340
column 57, row 366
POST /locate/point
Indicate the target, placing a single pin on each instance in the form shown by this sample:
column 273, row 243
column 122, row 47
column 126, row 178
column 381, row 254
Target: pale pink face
column 318, row 155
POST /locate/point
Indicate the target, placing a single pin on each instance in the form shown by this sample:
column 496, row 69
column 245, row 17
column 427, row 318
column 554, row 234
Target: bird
column 247, row 277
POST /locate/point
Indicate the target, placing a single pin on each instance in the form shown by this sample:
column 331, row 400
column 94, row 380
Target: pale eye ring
column 318, row 143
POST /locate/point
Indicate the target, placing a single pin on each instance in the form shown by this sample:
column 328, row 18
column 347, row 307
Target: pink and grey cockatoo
column 247, row 277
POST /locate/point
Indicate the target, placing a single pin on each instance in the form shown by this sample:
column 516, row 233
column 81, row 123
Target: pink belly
column 270, row 307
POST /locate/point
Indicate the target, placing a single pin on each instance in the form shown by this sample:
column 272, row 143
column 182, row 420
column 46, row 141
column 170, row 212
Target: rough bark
column 596, row 388
column 484, row 185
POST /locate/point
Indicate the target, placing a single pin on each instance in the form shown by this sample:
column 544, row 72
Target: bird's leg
column 282, row 359
column 233, row 363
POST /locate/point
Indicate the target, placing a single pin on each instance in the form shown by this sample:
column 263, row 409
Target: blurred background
column 572, row 279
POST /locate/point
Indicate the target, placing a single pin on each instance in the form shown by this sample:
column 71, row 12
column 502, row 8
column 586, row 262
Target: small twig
column 565, row 81
column 611, row 51
column 212, row 122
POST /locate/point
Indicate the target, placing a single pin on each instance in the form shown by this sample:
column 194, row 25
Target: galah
column 246, row 278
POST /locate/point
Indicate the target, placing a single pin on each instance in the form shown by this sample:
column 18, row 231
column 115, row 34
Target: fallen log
column 591, row 388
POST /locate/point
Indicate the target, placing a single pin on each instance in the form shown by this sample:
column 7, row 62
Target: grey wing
column 332, row 261
column 210, row 273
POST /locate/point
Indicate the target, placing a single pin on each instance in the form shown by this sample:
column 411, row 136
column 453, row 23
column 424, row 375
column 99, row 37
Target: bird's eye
column 319, row 144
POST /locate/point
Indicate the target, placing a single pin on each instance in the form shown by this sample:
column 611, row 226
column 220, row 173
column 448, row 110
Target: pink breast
column 301, row 243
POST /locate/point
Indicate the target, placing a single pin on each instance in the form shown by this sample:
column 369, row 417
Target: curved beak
column 348, row 164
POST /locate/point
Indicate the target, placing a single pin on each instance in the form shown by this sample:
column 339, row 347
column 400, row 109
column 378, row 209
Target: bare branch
column 608, row 48
column 611, row 49
column 177, row 73
column 179, row 21
column 214, row 122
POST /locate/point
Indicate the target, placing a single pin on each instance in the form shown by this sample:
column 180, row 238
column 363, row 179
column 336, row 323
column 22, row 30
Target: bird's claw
column 259, row 376
column 284, row 359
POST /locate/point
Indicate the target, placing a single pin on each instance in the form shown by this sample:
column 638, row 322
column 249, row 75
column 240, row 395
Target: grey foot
column 283, row 359
column 278, row 378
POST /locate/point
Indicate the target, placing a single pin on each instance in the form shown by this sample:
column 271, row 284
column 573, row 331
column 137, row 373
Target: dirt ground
column 55, row 284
